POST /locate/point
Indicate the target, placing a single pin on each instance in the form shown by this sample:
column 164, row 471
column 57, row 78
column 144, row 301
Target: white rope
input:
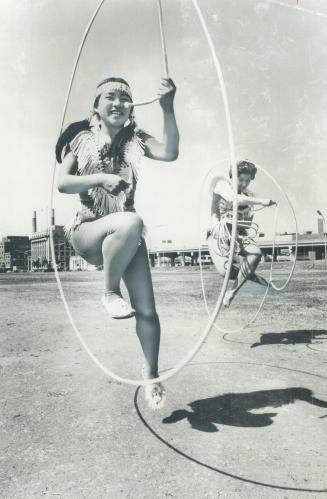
column 270, row 281
column 280, row 288
column 201, row 272
column 221, row 233
column 141, row 103
column 163, row 40
column 209, row 326
column 71, row 81
column 220, row 330
column 164, row 59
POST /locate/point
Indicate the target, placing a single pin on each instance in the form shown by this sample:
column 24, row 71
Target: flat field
column 247, row 418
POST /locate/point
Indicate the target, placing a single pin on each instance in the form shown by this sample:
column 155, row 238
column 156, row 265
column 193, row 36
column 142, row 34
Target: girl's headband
column 113, row 86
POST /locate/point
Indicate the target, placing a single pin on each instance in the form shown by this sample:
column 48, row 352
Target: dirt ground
column 247, row 418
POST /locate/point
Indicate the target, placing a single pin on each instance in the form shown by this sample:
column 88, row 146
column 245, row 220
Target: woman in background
column 218, row 236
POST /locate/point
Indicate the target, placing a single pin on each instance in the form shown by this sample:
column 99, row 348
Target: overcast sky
column 274, row 60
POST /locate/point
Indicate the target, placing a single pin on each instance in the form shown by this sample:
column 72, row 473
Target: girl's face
column 243, row 181
column 111, row 108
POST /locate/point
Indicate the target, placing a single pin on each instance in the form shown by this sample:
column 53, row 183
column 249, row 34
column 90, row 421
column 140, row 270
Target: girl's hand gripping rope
column 268, row 202
column 166, row 94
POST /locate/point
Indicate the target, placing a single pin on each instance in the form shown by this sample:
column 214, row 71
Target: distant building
column 41, row 257
column 76, row 262
column 2, row 256
column 7, row 260
column 311, row 246
column 14, row 251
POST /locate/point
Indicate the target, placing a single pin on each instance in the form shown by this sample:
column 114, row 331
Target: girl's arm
column 224, row 189
column 70, row 183
column 167, row 150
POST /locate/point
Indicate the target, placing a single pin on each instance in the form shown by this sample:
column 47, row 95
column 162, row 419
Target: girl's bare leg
column 247, row 269
column 240, row 274
column 112, row 241
column 118, row 249
column 137, row 278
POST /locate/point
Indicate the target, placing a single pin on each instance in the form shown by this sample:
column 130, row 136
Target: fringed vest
column 91, row 158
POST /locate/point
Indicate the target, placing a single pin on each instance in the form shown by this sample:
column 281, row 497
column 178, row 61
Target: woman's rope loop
column 270, row 281
column 212, row 319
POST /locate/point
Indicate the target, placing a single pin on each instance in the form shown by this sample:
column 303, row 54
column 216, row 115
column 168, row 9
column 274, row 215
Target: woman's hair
column 67, row 136
column 79, row 126
column 245, row 166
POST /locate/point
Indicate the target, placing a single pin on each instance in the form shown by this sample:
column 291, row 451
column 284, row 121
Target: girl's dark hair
column 245, row 166
column 75, row 128
column 67, row 136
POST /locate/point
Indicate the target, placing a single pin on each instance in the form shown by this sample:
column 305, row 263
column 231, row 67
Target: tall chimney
column 34, row 227
column 53, row 217
column 320, row 225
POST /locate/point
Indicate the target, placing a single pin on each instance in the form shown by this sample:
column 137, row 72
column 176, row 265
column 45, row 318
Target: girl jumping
column 218, row 236
column 100, row 159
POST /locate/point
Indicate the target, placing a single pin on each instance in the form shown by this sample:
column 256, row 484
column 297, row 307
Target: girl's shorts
column 83, row 215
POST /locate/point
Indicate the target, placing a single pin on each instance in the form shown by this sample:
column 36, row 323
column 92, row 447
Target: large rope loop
column 271, row 283
column 208, row 328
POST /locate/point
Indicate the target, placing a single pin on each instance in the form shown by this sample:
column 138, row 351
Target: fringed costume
column 122, row 157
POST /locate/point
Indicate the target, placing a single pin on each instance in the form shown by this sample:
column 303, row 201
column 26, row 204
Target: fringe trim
column 84, row 147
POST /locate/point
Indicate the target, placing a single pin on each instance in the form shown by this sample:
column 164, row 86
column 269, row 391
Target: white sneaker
column 118, row 308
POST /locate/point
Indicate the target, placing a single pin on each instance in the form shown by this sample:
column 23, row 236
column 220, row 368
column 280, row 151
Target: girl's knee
column 254, row 251
column 148, row 315
column 128, row 225
column 258, row 254
column 133, row 222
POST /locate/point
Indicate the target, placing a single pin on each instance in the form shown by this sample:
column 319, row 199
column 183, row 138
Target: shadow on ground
column 234, row 409
column 291, row 337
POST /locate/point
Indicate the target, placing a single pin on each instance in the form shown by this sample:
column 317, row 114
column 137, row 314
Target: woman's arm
column 248, row 200
column 224, row 189
column 167, row 150
column 70, row 183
